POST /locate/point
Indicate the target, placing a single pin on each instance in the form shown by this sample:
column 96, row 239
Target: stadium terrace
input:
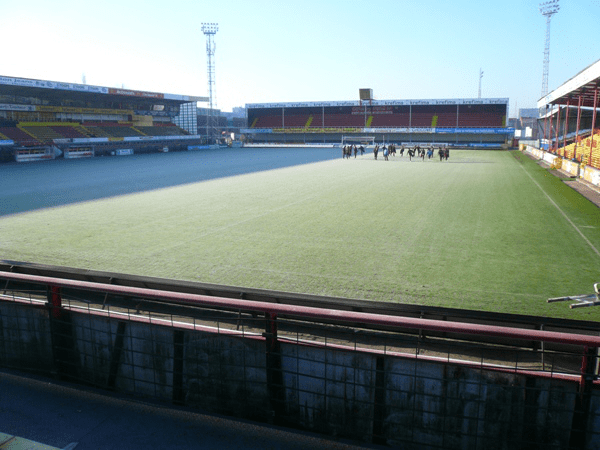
column 42, row 119
column 453, row 122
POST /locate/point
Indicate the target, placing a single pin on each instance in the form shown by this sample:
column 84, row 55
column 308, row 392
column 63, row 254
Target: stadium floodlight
column 209, row 30
column 480, row 77
column 548, row 9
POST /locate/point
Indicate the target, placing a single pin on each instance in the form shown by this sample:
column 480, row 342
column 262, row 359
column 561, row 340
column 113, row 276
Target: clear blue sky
column 309, row 50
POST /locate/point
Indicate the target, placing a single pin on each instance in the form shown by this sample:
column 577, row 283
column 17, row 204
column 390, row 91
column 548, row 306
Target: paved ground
column 59, row 415
column 588, row 190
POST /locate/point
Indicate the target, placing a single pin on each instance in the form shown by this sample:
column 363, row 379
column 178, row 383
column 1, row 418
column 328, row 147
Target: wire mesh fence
column 406, row 387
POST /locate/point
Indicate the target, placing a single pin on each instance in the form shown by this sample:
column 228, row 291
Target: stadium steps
column 29, row 131
column 95, row 132
column 308, row 122
column 41, row 131
column 254, row 122
column 19, row 136
column 138, row 131
column 369, row 120
column 434, row 121
column 112, row 130
column 83, row 130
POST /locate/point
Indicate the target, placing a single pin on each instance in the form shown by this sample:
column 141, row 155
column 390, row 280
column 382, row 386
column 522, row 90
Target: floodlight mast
column 209, row 30
column 548, row 9
column 480, row 77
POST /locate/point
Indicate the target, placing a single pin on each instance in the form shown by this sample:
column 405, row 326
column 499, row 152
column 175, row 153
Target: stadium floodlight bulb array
column 550, row 7
column 210, row 28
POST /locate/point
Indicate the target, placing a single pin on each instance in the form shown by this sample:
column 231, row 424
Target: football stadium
column 406, row 300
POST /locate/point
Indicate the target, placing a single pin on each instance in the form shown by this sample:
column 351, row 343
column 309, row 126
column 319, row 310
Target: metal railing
column 372, row 377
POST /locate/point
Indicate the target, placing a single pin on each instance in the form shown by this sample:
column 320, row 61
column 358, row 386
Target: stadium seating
column 19, row 136
column 343, row 120
column 268, row 122
column 582, row 150
column 111, row 130
column 298, row 121
column 391, row 120
column 478, row 119
column 47, row 132
column 446, row 120
column 69, row 132
column 419, row 119
column 161, row 130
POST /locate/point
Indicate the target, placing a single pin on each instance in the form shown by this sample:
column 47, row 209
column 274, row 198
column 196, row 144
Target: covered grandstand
column 568, row 119
column 454, row 122
column 44, row 119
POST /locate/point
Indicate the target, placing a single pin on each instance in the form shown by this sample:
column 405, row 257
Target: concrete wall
column 25, row 339
column 588, row 173
column 404, row 402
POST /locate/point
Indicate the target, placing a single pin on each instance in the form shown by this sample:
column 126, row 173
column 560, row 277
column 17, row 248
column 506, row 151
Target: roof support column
column 555, row 144
column 546, row 125
column 593, row 125
column 557, row 130
column 577, row 129
column 566, row 127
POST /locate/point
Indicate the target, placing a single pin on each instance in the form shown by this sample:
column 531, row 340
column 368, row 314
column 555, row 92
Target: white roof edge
column 75, row 87
column 585, row 76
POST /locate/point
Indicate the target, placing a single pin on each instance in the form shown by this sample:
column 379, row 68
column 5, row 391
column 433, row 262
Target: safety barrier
column 390, row 380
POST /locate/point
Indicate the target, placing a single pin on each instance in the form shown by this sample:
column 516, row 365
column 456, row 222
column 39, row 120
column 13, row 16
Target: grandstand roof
column 455, row 101
column 54, row 89
column 582, row 84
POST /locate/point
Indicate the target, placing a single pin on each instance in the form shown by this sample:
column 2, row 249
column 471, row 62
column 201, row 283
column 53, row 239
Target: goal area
column 358, row 140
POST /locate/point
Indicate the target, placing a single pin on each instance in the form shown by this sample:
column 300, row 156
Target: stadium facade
column 41, row 119
column 454, row 122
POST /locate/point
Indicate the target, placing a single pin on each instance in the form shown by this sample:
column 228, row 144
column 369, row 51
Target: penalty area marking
column 563, row 213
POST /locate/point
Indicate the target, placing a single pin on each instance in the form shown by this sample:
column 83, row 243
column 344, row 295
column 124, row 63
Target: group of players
column 443, row 152
column 348, row 149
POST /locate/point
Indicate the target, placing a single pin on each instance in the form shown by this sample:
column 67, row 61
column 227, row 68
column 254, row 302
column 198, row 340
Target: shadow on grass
column 30, row 186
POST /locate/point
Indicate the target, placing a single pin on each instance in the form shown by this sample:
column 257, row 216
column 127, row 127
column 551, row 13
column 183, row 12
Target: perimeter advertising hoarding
column 26, row 82
column 131, row 93
column 9, row 107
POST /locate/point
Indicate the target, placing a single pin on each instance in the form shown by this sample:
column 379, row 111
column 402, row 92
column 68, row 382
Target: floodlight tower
column 209, row 30
column 480, row 77
column 548, row 9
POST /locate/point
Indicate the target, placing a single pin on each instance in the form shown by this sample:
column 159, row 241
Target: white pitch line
column 563, row 213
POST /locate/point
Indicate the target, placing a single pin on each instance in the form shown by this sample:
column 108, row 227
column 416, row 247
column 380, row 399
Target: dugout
column 457, row 122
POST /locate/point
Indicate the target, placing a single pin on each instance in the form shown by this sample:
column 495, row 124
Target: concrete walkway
column 66, row 416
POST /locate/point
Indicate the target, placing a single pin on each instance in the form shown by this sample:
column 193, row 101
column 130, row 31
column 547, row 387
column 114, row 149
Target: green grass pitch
column 486, row 230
